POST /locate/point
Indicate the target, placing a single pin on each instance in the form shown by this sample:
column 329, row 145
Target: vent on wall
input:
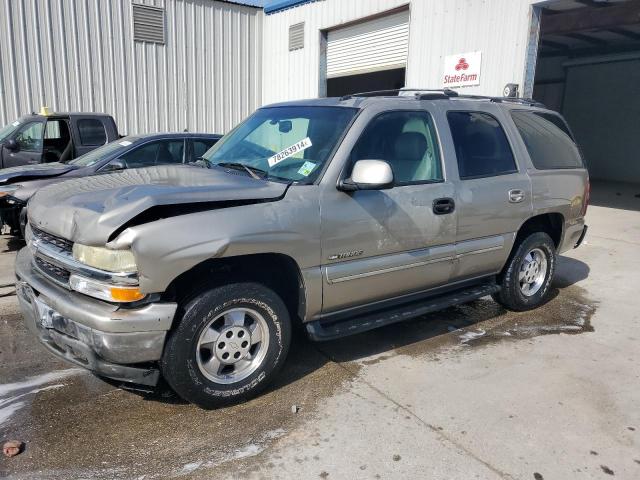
column 296, row 36
column 148, row 23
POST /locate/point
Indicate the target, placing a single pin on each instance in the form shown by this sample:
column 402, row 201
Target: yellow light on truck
column 119, row 294
column 105, row 291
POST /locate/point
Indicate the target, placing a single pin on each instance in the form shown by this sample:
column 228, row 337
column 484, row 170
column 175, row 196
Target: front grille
column 60, row 243
column 55, row 273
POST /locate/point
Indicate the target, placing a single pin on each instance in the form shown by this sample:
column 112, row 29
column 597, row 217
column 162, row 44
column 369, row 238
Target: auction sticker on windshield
column 290, row 151
column 125, row 143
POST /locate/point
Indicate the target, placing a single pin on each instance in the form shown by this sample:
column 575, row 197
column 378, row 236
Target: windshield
column 7, row 130
column 287, row 143
column 94, row 156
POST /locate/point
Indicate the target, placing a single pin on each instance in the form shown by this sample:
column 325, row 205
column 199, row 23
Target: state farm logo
column 462, row 64
column 462, row 69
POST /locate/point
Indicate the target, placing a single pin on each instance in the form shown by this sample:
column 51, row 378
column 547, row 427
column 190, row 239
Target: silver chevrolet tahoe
column 338, row 214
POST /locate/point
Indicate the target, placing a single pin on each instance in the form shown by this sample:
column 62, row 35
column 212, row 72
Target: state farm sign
column 462, row 70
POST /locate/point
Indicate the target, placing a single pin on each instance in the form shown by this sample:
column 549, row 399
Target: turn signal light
column 126, row 294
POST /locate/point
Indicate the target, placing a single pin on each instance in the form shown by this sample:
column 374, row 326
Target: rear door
column 494, row 192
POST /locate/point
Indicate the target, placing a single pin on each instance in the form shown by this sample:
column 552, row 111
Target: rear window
column 548, row 140
column 92, row 132
column 481, row 145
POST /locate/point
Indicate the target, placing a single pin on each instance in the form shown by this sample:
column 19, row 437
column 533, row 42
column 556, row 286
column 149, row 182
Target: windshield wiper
column 241, row 166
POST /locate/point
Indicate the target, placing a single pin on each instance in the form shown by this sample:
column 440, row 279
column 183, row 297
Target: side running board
column 322, row 330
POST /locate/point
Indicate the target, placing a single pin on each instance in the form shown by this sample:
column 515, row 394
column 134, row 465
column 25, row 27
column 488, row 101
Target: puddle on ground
column 471, row 325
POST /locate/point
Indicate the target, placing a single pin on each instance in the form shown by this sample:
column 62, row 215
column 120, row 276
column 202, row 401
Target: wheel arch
column 277, row 271
column 551, row 223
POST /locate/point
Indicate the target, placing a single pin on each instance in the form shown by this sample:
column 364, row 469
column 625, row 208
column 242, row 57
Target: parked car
column 55, row 137
column 18, row 184
column 341, row 214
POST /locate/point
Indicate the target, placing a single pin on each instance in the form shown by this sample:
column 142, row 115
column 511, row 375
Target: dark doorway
column 366, row 82
column 588, row 69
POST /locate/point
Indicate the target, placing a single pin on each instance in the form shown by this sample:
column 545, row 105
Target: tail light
column 585, row 199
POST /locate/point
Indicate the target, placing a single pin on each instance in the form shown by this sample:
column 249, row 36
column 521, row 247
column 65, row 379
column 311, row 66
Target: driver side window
column 406, row 140
column 30, row 136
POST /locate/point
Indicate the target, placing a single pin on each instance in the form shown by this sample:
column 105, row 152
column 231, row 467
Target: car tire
column 525, row 280
column 228, row 345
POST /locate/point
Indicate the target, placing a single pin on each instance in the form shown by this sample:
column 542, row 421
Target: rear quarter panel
column 561, row 191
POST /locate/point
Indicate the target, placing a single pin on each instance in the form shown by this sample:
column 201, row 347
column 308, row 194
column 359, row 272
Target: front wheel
column 526, row 279
column 230, row 343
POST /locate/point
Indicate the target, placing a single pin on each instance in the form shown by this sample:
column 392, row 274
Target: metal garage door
column 380, row 44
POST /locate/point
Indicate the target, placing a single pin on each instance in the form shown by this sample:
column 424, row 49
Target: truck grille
column 55, row 273
column 60, row 243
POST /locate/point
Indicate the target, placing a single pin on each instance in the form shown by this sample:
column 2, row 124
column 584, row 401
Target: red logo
column 462, row 64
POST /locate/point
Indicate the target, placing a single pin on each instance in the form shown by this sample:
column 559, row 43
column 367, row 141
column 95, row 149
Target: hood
column 32, row 172
column 89, row 210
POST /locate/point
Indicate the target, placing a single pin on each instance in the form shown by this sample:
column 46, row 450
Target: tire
column 213, row 329
column 516, row 292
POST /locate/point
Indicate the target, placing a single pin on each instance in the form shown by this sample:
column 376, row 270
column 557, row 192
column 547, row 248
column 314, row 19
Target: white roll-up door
column 380, row 44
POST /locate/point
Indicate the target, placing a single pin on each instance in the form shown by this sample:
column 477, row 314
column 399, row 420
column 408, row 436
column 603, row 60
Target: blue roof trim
column 277, row 5
column 248, row 3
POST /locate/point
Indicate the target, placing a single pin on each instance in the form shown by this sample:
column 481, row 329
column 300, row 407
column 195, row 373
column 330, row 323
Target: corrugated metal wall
column 499, row 28
column 79, row 55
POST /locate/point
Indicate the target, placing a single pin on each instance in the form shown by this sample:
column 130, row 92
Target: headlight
column 105, row 259
column 8, row 189
column 104, row 291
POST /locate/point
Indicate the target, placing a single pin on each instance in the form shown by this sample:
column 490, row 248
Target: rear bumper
column 114, row 342
column 573, row 236
column 582, row 235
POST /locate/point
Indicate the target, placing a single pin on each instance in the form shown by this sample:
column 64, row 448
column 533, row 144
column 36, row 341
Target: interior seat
column 408, row 157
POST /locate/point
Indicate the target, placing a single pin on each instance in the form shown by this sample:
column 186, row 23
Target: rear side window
column 481, row 145
column 161, row 152
column 92, row 132
column 200, row 146
column 549, row 145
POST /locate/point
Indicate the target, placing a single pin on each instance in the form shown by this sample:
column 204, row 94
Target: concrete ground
column 473, row 392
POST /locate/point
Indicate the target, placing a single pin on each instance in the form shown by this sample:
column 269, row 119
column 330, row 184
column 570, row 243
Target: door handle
column 516, row 195
column 443, row 206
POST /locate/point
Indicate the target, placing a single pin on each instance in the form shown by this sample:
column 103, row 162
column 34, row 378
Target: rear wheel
column 526, row 279
column 230, row 343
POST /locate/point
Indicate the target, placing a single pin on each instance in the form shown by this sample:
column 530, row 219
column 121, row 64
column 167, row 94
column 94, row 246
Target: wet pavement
column 470, row 392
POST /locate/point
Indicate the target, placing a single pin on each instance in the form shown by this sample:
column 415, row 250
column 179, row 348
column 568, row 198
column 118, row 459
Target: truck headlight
column 105, row 259
column 8, row 189
column 104, row 291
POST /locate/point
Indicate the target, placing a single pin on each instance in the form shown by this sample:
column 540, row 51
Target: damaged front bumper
column 118, row 343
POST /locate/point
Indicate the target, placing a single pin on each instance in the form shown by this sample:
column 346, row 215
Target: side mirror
column 368, row 175
column 11, row 145
column 113, row 165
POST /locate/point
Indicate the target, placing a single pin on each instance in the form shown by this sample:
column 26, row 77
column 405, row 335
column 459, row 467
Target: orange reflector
column 126, row 294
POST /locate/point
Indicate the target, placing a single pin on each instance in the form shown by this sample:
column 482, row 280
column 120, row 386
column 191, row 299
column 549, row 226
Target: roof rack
column 441, row 94
column 419, row 93
column 523, row 101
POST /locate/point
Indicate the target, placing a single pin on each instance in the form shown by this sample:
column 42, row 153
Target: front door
column 381, row 244
column 29, row 139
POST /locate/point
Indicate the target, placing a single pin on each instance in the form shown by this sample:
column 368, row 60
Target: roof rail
column 440, row 94
column 523, row 101
column 427, row 93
